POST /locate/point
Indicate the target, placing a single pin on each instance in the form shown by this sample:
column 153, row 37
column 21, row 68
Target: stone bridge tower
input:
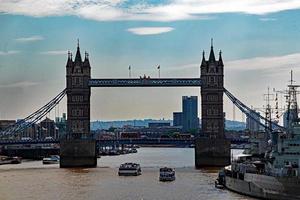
column 78, row 95
column 211, row 147
column 78, row 148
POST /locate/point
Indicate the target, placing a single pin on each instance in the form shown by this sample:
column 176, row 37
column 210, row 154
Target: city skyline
column 257, row 43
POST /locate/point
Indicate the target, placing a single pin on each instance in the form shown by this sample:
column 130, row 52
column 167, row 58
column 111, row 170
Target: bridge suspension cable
column 22, row 124
column 251, row 113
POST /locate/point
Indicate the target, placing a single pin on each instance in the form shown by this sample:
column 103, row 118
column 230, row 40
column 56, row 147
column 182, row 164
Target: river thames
column 33, row 180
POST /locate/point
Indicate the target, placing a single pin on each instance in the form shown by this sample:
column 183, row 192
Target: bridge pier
column 211, row 152
column 78, row 153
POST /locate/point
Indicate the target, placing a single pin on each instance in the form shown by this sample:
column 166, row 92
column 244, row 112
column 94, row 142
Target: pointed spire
column 78, row 55
column 212, row 54
column 220, row 57
column 86, row 55
column 69, row 61
column 203, row 58
column 86, row 59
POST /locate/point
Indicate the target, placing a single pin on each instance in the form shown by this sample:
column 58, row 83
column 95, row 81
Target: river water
column 33, row 180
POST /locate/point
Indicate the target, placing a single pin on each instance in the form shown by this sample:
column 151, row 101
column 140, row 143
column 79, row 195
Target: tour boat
column 130, row 169
column 166, row 174
column 54, row 159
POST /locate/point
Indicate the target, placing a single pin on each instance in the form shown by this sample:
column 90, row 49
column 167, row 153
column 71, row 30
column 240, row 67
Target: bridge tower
column 78, row 148
column 212, row 149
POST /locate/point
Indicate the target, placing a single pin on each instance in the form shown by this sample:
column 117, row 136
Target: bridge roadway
column 138, row 141
column 146, row 82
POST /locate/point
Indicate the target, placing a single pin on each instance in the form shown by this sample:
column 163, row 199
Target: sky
column 259, row 42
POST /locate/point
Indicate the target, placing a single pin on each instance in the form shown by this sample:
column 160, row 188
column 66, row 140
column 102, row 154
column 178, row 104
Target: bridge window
column 77, row 81
column 77, row 112
column 212, row 97
column 77, row 98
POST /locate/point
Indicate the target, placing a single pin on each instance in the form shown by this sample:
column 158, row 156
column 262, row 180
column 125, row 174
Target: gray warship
column 270, row 168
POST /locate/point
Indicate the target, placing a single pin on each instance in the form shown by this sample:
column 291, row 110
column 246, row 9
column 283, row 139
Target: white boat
column 166, row 174
column 10, row 160
column 130, row 169
column 54, row 159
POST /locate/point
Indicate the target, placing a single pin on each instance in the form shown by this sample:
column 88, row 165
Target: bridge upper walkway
column 146, row 82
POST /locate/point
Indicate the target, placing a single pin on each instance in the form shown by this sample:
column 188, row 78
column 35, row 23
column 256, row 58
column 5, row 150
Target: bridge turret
column 86, row 62
column 220, row 59
column 203, row 63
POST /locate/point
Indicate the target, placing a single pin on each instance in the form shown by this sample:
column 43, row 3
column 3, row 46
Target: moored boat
column 10, row 160
column 54, row 159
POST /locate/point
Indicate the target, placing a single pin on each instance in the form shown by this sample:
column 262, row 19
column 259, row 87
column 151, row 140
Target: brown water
column 32, row 180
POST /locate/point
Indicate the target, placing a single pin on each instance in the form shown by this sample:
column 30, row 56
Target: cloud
column 273, row 63
column 7, row 53
column 172, row 10
column 54, row 53
column 150, row 30
column 30, row 39
column 21, row 84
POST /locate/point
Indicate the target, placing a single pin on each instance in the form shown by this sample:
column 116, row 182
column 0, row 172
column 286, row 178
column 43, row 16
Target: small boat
column 54, row 159
column 166, row 174
column 133, row 150
column 130, row 169
column 10, row 160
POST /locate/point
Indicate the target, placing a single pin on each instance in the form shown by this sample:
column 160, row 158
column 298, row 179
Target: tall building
column 251, row 124
column 177, row 118
column 190, row 119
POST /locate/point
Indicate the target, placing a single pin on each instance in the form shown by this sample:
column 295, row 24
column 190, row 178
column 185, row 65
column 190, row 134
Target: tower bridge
column 78, row 148
column 211, row 150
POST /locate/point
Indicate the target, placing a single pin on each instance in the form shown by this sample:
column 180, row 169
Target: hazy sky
column 259, row 40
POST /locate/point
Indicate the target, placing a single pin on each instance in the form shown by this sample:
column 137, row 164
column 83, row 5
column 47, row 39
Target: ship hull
column 265, row 187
